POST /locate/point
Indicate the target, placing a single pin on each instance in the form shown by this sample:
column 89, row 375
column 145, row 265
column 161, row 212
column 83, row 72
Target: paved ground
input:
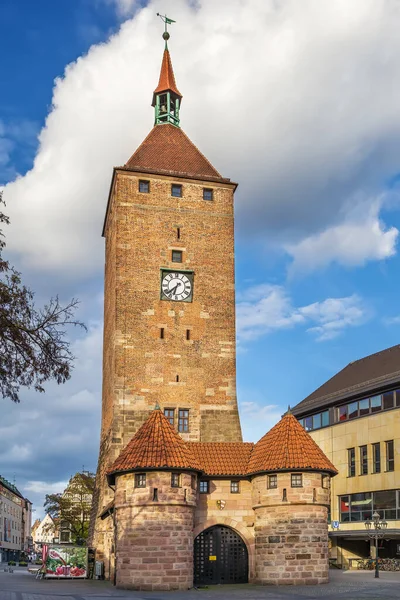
column 349, row 585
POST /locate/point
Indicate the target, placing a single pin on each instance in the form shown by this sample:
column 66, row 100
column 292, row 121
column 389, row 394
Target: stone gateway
column 180, row 499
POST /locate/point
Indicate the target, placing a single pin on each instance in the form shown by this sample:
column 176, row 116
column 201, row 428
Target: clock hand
column 172, row 292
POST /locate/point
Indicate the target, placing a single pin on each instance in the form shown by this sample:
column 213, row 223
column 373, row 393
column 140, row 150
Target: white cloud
column 298, row 101
column 257, row 418
column 45, row 487
column 392, row 320
column 360, row 238
column 266, row 308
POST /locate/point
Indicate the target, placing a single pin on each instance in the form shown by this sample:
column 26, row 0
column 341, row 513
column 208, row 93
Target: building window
column 351, row 462
column 140, row 480
column 188, row 334
column 235, row 487
column 272, row 482
column 183, row 420
column 390, row 455
column 207, row 194
column 359, row 507
column 363, row 460
column 376, row 457
column 169, row 413
column 162, row 333
column 144, row 186
column 325, row 481
column 176, row 190
column 388, row 400
column 175, row 480
column 342, row 413
column 204, row 486
column 176, row 255
column 296, row 480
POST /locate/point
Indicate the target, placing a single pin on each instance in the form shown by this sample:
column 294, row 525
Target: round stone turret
column 290, row 489
column 155, row 480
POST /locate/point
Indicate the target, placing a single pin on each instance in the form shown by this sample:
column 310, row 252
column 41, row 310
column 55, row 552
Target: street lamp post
column 376, row 533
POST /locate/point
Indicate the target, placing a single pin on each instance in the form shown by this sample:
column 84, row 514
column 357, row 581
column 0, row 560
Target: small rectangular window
column 188, row 334
column 376, row 404
column 351, row 462
column 140, row 480
column 376, row 457
column 204, row 486
column 353, row 410
column 388, row 400
column 235, row 487
column 296, row 480
column 272, row 482
column 169, row 413
column 308, row 423
column 390, row 455
column 207, row 194
column 175, row 480
column 178, row 233
column 176, row 190
column 363, row 460
column 144, row 186
column 363, row 406
column 342, row 413
column 183, row 420
column 176, row 255
column 317, row 421
column 161, row 333
column 325, row 418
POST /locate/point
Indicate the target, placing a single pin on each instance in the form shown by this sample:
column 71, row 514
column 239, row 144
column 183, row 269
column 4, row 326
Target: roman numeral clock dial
column 176, row 286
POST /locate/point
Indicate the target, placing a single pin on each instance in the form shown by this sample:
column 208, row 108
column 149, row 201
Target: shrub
column 11, row 563
column 38, row 562
column 22, row 563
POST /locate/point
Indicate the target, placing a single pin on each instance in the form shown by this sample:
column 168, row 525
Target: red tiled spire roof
column 168, row 150
column 288, row 446
column 222, row 458
column 167, row 77
column 155, row 446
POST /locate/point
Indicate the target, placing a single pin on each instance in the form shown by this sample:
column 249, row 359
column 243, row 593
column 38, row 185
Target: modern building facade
column 355, row 419
column 15, row 522
column 180, row 498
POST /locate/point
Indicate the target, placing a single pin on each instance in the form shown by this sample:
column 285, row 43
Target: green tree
column 33, row 341
column 71, row 509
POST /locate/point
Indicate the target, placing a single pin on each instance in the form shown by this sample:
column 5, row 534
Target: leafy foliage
column 71, row 509
column 33, row 343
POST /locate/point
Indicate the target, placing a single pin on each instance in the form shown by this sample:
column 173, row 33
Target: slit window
column 207, row 194
column 140, row 480
column 176, row 255
column 161, row 333
column 188, row 334
column 376, row 457
column 296, row 480
column 183, row 420
column 144, row 186
column 178, row 233
column 155, row 494
column 176, row 190
column 169, row 413
column 351, row 462
column 363, row 460
column 175, row 480
column 272, row 482
column 390, row 455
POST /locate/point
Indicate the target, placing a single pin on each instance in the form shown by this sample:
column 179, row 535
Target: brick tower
column 169, row 305
column 291, row 483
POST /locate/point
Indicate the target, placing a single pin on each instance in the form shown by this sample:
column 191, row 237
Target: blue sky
column 298, row 102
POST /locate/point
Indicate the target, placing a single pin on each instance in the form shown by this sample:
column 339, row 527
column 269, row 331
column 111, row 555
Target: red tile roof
column 222, row 458
column 168, row 150
column 288, row 446
column 155, row 446
column 158, row 446
column 167, row 78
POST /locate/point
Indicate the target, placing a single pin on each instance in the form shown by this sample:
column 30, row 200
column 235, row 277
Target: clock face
column 176, row 286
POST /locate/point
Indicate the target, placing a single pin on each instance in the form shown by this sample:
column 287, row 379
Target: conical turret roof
column 156, row 445
column 167, row 77
column 287, row 446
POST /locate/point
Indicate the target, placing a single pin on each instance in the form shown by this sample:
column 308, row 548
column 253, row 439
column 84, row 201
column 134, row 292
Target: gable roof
column 168, row 150
column 156, row 445
column 222, row 458
column 288, row 446
column 167, row 77
column 362, row 376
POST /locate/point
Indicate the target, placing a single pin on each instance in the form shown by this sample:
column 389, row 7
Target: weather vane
column 167, row 21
